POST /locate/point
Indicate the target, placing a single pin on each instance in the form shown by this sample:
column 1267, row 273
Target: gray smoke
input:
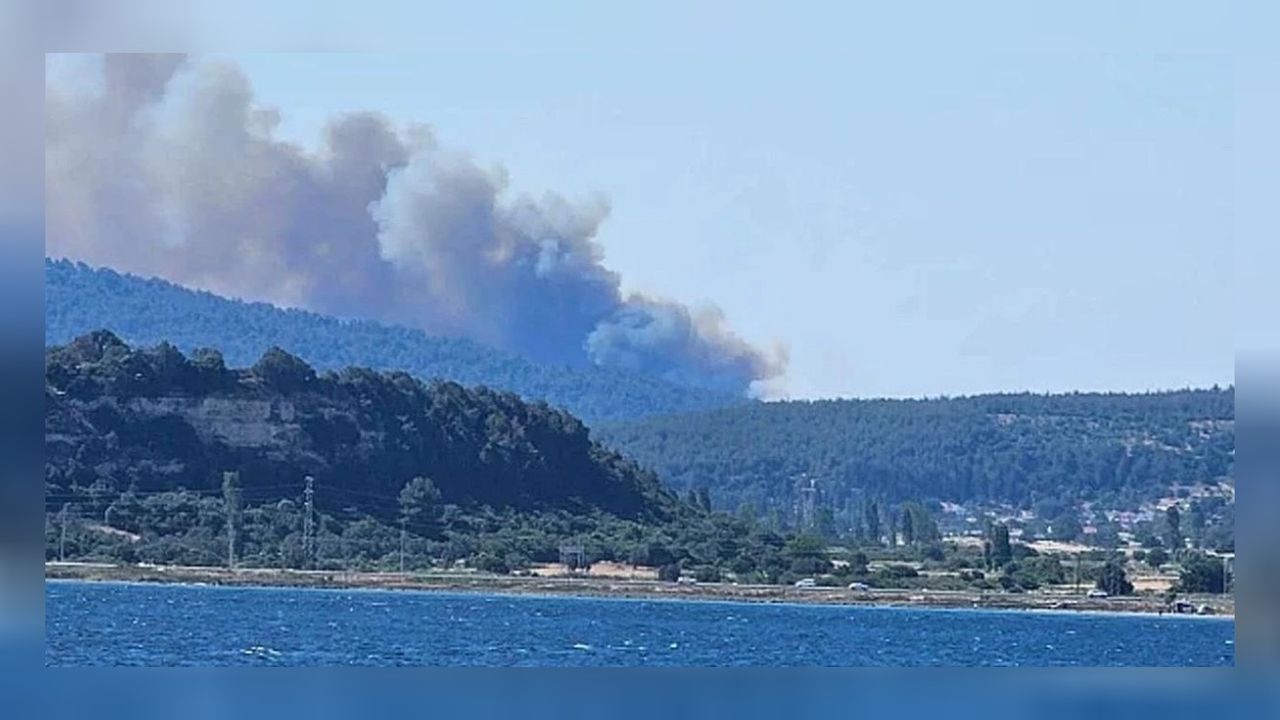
column 161, row 165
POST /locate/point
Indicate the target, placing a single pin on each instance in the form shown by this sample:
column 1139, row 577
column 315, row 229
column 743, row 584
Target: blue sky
column 1043, row 215
column 906, row 225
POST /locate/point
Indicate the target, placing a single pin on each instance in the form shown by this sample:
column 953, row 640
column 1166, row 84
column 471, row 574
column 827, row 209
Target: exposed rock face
column 153, row 419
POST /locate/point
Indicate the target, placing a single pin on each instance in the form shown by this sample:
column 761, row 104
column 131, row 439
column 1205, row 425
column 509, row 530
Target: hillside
column 146, row 420
column 154, row 456
column 1017, row 449
column 80, row 299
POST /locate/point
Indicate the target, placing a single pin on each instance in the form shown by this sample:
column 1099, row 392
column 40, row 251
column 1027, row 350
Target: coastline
column 594, row 587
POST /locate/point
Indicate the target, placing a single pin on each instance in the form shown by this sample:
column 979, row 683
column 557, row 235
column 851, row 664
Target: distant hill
column 80, row 299
column 1015, row 448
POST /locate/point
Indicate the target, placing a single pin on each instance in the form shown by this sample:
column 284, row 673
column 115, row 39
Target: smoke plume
column 162, row 165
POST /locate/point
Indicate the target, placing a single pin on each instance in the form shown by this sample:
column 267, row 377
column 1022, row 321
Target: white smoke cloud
column 162, row 165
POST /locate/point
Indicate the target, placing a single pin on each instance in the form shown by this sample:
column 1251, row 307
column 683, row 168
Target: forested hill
column 80, row 299
column 124, row 420
column 1016, row 448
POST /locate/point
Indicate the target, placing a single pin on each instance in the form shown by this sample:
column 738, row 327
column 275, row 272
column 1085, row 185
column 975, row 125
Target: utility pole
column 807, row 494
column 402, row 533
column 308, row 525
column 62, row 543
column 231, row 506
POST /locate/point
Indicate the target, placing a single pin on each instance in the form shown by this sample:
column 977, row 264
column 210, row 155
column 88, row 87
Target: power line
column 210, row 492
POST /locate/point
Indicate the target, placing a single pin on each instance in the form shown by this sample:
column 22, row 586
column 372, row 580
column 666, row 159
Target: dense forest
column 160, row 457
column 80, row 299
column 1021, row 449
column 153, row 456
column 152, row 419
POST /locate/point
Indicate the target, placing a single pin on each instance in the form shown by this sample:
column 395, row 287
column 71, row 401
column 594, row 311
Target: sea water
column 92, row 623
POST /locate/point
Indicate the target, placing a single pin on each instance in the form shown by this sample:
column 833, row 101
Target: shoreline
column 596, row 587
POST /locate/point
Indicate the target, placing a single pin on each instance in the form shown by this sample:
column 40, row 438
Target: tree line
column 80, row 299
column 1113, row 450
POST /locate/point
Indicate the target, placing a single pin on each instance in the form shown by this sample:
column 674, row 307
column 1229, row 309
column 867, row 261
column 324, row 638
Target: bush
column 788, row 578
column 1201, row 574
column 1009, row 584
column 707, row 574
column 1155, row 558
column 858, row 563
column 669, row 572
column 491, row 564
column 897, row 571
column 1026, row 582
column 1022, row 552
column 518, row 561
column 742, row 565
column 1113, row 581
column 1037, row 571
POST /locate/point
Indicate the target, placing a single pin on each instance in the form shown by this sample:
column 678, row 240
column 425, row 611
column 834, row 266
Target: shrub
column 1113, row 581
column 1156, row 557
column 1201, row 574
column 707, row 573
column 897, row 571
column 491, row 563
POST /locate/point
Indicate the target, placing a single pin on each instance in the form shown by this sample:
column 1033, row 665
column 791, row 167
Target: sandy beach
column 618, row 588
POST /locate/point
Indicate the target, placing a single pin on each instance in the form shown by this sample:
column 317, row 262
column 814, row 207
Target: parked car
column 859, row 587
column 1096, row 593
column 806, row 583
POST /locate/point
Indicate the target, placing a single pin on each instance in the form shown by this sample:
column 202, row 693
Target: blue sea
column 161, row 625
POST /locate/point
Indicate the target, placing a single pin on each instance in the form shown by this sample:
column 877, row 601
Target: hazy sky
column 906, row 223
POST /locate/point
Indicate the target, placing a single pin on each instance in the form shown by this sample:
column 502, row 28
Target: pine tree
column 1001, row 549
column 419, row 505
column 908, row 527
column 872, row 521
column 1173, row 534
column 1113, row 581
